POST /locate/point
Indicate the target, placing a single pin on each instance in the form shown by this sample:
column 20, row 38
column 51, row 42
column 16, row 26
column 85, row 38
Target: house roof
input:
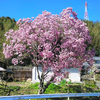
column 96, row 58
column 2, row 69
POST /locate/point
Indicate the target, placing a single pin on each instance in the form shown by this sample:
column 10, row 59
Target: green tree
column 6, row 23
column 94, row 31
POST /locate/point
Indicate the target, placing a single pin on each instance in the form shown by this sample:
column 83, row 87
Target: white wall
column 74, row 75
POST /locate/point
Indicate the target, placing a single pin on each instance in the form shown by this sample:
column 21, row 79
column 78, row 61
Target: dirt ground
column 16, row 84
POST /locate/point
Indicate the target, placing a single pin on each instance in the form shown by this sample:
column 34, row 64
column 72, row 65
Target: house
column 21, row 73
column 4, row 73
column 96, row 61
column 74, row 73
column 96, row 64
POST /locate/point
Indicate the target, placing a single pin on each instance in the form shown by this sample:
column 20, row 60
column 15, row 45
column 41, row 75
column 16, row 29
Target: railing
column 38, row 96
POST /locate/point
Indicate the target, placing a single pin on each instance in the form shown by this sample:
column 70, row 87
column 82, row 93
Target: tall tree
column 94, row 31
column 6, row 23
column 55, row 42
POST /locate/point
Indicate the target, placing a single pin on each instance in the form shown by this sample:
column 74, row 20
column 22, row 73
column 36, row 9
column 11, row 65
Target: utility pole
column 86, row 17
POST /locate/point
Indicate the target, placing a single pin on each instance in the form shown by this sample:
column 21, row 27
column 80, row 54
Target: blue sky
column 31, row 8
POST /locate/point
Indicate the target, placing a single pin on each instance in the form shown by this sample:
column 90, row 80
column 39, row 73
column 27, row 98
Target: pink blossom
column 15, row 61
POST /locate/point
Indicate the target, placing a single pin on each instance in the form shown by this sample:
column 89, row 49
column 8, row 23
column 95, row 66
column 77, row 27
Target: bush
column 14, row 88
column 69, row 82
column 97, row 77
column 34, row 86
column 63, row 82
column 74, row 89
column 52, row 88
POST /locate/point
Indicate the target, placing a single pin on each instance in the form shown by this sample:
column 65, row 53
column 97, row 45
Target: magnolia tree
column 57, row 42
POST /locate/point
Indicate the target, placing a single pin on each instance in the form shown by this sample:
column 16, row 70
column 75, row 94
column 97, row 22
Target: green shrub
column 52, row 88
column 74, row 89
column 69, row 82
column 34, row 86
column 14, row 88
column 63, row 82
column 90, row 84
column 23, row 83
column 97, row 77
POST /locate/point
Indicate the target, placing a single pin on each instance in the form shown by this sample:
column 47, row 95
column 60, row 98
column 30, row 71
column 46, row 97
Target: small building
column 96, row 61
column 21, row 73
column 74, row 75
column 1, row 72
column 4, row 73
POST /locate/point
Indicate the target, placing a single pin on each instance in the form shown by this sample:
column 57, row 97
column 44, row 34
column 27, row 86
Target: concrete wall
column 74, row 75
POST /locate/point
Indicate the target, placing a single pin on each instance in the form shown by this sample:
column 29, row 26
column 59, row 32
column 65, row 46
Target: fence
column 40, row 96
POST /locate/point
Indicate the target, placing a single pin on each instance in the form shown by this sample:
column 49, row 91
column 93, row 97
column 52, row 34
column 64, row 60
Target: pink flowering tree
column 57, row 42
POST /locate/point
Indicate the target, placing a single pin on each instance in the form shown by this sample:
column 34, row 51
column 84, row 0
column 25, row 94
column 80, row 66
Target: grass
column 88, row 86
column 24, row 83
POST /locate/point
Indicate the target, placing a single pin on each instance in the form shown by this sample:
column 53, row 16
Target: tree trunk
column 43, row 87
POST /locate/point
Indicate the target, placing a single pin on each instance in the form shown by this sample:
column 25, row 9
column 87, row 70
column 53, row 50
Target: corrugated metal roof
column 96, row 58
column 2, row 69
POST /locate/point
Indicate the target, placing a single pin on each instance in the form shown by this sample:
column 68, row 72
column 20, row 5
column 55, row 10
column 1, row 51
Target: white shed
column 74, row 75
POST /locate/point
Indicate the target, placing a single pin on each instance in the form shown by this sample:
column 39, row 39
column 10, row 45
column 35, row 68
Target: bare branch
column 46, row 73
column 49, row 82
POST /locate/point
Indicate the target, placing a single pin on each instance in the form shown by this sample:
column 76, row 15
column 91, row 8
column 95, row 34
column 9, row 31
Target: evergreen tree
column 94, row 31
column 6, row 23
